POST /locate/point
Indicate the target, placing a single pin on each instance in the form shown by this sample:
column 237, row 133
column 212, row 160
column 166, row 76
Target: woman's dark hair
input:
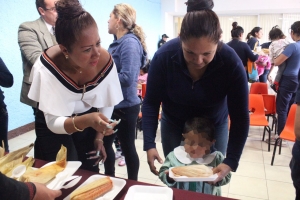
column 276, row 33
column 252, row 32
column 236, row 30
column 200, row 125
column 200, row 21
column 72, row 19
column 296, row 28
column 196, row 5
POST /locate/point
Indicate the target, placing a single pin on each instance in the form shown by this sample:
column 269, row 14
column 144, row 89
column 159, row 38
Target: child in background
column 276, row 48
column 142, row 79
column 119, row 153
column 199, row 137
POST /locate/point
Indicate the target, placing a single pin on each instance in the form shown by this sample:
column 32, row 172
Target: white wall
column 172, row 8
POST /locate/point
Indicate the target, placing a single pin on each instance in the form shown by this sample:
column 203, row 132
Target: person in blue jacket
column 6, row 80
column 129, row 53
column 240, row 47
column 197, row 75
column 252, row 37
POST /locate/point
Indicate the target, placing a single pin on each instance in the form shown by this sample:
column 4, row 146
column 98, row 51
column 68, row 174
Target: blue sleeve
column 6, row 78
column 253, row 57
column 288, row 51
column 237, row 102
column 12, row 189
column 129, row 61
column 151, row 103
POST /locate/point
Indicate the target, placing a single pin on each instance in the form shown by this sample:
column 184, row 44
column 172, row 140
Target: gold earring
column 67, row 57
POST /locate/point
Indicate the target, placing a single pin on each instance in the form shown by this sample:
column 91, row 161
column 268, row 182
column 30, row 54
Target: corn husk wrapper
column 15, row 155
column 28, row 163
column 9, row 166
column 46, row 174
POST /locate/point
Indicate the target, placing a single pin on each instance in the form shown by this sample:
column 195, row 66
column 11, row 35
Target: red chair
column 144, row 86
column 288, row 132
column 258, row 88
column 257, row 114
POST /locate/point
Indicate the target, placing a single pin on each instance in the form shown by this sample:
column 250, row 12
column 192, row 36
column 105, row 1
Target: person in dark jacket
column 253, row 37
column 12, row 189
column 6, row 80
column 196, row 75
column 241, row 48
column 162, row 41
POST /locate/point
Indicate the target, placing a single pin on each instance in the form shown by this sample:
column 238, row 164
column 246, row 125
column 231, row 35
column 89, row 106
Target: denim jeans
column 171, row 135
column 264, row 77
column 295, row 168
column 126, row 136
column 47, row 143
column 285, row 98
column 4, row 127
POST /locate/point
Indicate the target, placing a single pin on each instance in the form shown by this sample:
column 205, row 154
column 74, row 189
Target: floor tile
column 249, row 187
column 278, row 173
column 251, row 169
column 279, row 190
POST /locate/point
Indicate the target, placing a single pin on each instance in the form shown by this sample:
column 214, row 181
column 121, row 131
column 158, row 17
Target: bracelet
column 99, row 139
column 32, row 189
column 73, row 120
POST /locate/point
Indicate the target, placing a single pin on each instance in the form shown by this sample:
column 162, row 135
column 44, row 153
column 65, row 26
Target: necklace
column 80, row 72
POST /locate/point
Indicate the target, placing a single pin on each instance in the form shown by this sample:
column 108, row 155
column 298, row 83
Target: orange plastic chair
column 144, row 86
column 270, row 109
column 258, row 88
column 257, row 114
column 288, row 132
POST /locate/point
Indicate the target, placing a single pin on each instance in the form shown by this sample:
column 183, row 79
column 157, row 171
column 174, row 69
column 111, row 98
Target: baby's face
column 196, row 145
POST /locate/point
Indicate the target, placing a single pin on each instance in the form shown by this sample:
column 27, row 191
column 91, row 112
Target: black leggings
column 126, row 135
column 47, row 143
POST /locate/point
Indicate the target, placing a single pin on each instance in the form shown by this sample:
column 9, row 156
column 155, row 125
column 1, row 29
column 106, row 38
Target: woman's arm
column 130, row 61
column 253, row 57
column 6, row 78
column 280, row 59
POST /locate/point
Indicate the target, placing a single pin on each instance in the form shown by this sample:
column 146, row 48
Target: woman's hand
column 102, row 124
column 99, row 153
column 153, row 155
column 222, row 170
column 270, row 79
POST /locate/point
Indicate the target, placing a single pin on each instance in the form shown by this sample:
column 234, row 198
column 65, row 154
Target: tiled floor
column 254, row 179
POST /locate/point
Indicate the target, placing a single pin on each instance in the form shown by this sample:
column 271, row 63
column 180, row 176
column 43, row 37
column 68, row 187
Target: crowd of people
column 86, row 97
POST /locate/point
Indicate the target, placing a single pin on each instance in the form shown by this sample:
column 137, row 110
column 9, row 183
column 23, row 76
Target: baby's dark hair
column 145, row 68
column 200, row 125
column 276, row 33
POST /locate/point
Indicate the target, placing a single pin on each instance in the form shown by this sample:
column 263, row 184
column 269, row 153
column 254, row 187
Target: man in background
column 163, row 40
column 33, row 38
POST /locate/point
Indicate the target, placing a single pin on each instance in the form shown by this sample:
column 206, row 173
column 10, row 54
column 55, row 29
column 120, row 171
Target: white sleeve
column 56, row 123
column 107, row 111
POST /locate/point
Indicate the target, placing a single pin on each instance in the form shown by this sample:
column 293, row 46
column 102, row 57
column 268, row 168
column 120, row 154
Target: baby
column 199, row 137
column 276, row 48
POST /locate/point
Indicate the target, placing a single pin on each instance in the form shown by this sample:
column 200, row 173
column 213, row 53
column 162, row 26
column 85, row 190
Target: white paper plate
column 70, row 169
column 118, row 184
column 142, row 192
column 190, row 179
